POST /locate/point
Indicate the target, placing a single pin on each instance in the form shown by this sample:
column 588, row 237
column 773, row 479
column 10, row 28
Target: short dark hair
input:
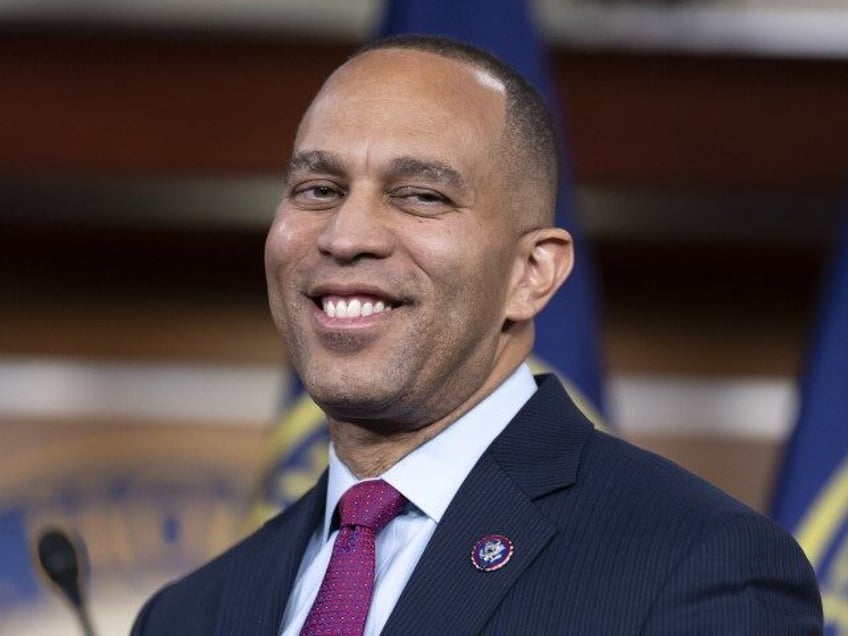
column 529, row 142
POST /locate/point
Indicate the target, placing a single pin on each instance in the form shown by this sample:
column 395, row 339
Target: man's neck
column 368, row 454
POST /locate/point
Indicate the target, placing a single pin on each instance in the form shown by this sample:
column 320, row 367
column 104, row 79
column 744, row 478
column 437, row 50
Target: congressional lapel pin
column 491, row 553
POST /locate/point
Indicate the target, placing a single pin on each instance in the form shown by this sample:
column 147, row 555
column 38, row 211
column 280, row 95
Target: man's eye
column 419, row 197
column 320, row 192
column 427, row 197
column 315, row 193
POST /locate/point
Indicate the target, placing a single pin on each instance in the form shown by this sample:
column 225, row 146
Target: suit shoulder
column 639, row 493
column 663, row 536
column 708, row 559
column 614, row 466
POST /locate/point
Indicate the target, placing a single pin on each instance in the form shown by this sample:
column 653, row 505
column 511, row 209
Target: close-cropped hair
column 529, row 145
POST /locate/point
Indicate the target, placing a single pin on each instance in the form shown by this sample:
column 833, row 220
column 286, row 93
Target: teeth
column 353, row 308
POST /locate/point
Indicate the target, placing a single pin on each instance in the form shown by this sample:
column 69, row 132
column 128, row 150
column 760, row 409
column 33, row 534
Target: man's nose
column 357, row 228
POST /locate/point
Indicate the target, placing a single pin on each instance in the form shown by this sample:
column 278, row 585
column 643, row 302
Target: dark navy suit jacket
column 608, row 539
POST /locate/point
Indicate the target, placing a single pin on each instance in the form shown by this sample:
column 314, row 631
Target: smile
column 352, row 306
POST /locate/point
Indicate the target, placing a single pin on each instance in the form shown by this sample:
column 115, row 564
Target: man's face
column 391, row 256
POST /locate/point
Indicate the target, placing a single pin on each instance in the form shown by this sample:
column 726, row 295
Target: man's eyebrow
column 314, row 161
column 429, row 170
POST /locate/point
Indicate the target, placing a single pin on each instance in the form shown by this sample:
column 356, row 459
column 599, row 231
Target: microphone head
column 60, row 560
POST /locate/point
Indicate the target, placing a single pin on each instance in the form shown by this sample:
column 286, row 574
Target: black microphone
column 60, row 560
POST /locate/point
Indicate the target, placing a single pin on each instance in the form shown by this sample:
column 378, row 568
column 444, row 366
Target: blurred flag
column 18, row 582
column 567, row 331
column 812, row 494
column 297, row 454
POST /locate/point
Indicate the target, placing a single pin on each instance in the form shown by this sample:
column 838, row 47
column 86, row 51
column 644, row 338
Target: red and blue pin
column 492, row 552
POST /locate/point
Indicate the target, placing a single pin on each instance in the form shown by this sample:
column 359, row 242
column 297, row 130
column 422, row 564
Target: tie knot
column 371, row 504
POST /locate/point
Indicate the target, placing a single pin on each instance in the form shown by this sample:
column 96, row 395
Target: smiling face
column 392, row 262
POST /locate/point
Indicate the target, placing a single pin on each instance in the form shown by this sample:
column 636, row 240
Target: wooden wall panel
column 153, row 105
column 688, row 120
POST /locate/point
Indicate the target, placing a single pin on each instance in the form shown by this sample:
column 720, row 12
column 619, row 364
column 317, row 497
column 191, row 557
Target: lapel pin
column 491, row 553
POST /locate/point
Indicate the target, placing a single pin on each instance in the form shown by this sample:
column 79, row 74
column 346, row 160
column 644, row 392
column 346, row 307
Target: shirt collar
column 430, row 476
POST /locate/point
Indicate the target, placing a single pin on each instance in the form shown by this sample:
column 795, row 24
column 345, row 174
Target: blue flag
column 566, row 332
column 812, row 495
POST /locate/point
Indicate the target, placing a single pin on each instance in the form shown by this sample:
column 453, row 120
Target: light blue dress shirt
column 429, row 477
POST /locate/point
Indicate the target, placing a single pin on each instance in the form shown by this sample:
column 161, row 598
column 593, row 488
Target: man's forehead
column 389, row 66
column 422, row 91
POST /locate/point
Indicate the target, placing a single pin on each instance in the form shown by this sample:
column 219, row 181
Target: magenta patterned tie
column 345, row 596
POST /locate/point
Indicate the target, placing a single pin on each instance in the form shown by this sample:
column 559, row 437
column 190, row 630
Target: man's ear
column 543, row 261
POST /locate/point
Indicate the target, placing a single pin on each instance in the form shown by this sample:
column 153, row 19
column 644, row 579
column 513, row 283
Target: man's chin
column 348, row 400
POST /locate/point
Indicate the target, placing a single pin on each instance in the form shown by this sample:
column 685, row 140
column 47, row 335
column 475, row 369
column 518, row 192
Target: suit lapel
column 446, row 593
column 536, row 454
column 260, row 586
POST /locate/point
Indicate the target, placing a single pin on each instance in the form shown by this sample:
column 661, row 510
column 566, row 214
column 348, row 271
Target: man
column 411, row 251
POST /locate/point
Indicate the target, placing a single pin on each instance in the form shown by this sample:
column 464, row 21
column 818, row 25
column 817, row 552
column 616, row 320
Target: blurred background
column 141, row 151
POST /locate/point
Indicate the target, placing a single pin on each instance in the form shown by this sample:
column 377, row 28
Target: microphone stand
column 59, row 558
